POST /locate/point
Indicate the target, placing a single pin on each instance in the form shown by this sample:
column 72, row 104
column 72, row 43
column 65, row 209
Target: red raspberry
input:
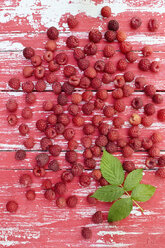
column 52, row 33
column 76, row 98
column 27, row 113
column 127, row 90
column 51, row 45
column 113, row 25
column 127, row 151
column 160, row 172
column 147, row 143
column 140, row 82
column 91, row 200
column 153, row 25
column 135, row 144
column 48, row 105
column 42, row 160
column 71, row 156
column 64, row 119
column 72, row 21
column 103, row 182
column 46, row 184
column 72, row 201
column 135, row 22
column 154, row 152
column 69, row 71
column 96, row 151
column 69, row 133
column 90, row 72
column 77, row 169
column 86, row 141
column 90, row 163
column 121, row 142
column 121, row 36
column 25, row 180
column 12, row 119
column 61, row 202
column 58, row 109
column 28, row 86
column 41, row 125
column 40, row 86
column 108, row 51
column 101, row 141
column 147, row 120
column 117, row 93
column 110, row 35
column 104, row 128
column 129, row 166
column 72, row 41
column 156, row 137
column 155, row 66
column 111, row 147
column 30, row 98
column 73, row 109
column 45, row 143
column 51, row 77
column 54, row 165
column 122, row 64
column 118, row 122
column 36, row 60
column 161, row 115
column 144, row 64
column 28, row 52
column 50, row 194
column 95, row 35
column 96, row 174
column 96, row 83
column 14, row 83
column 87, row 96
column 60, row 188
column 125, row 47
column 62, row 99
column 149, row 109
column 129, row 76
column 97, row 218
column 61, row 58
column 28, row 71
column 90, row 49
column 88, row 108
column 108, row 111
column 55, row 150
column 72, row 145
column 119, row 105
column 67, row 88
column 157, row 98
column 110, row 67
column 11, row 105
column 84, row 82
column 99, row 104
column 86, row 233
column 83, row 64
column 131, row 56
column 99, row 65
column 88, row 129
column 161, row 161
column 151, row 162
column 39, row 172
column 106, row 11
column 119, row 81
column 39, row 72
column 78, row 53
column 113, row 135
column 97, row 120
column 53, row 66
column 30, row 195
column 52, row 119
column 134, row 132
column 74, row 81
column 20, row 155
column 48, row 56
column 23, row 129
column 137, row 103
column 135, row 119
column 102, row 94
column 84, row 180
column 66, row 176
column 107, row 78
column 78, row 120
column 12, row 206
column 147, row 51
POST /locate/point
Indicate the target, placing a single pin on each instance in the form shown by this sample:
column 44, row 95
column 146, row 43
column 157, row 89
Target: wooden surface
column 40, row 223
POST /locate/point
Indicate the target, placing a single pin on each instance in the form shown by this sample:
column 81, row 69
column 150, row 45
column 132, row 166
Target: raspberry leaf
column 143, row 192
column 120, row 209
column 133, row 179
column 111, row 169
column 108, row 193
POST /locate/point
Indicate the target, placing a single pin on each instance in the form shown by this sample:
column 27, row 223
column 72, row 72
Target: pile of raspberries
column 80, row 95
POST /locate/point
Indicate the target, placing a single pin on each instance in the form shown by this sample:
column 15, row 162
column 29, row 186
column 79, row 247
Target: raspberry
column 72, row 21
column 52, row 33
column 11, row 105
column 108, row 51
column 84, row 180
column 27, row 113
column 23, row 129
column 113, row 135
column 135, row 119
column 14, row 83
column 110, row 67
column 28, row 86
column 91, row 200
column 61, row 202
column 86, row 233
column 147, row 143
column 107, row 78
column 135, row 144
column 157, row 98
column 113, row 25
column 78, row 53
column 45, row 143
column 78, row 120
column 96, row 174
column 101, row 141
column 127, row 90
column 102, row 94
column 149, row 109
column 160, row 172
column 87, row 96
column 96, row 151
column 85, row 82
column 55, row 150
column 73, row 109
column 153, row 25
column 88, row 129
column 48, row 56
column 111, row 147
column 137, row 103
column 39, row 172
column 119, row 81
column 161, row 161
column 46, row 184
column 39, row 72
column 127, row 151
column 30, row 195
column 83, row 64
column 97, row 120
column 122, row 64
column 121, row 142
column 72, row 145
column 53, row 165
column 90, row 49
column 118, row 122
column 86, row 141
column 147, row 51
column 155, row 66
column 121, row 36
column 125, row 47
column 108, row 111
column 103, row 182
column 28, row 52
column 72, row 41
column 36, row 60
column 30, row 98
column 106, row 11
column 62, row 99
column 69, row 133
column 96, row 83
column 147, row 120
column 61, row 58
column 50, row 132
column 25, row 180
column 150, row 162
column 51, row 77
column 66, row 176
column 48, row 105
column 50, row 45
column 12, row 119
column 104, row 128
column 50, row 194
column 154, row 152
column 20, row 155
column 99, row 104
column 52, row 119
column 129, row 76
column 128, row 166
column 64, row 119
column 144, row 64
column 161, row 115
column 69, row 71
column 42, row 159
column 74, row 81
column 72, row 201
column 28, row 71
column 99, row 65
column 88, row 108
column 131, row 56
column 12, row 206
column 40, row 86
column 71, row 156
column 77, row 169
column 97, row 218
column 135, row 22
column 95, row 35
column 58, row 109
column 140, row 82
column 60, row 188
column 110, row 35
column 90, row 163
column 119, row 105
column 90, row 72
column 134, row 132
column 41, row 125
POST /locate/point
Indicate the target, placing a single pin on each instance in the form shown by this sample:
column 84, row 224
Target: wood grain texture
column 40, row 223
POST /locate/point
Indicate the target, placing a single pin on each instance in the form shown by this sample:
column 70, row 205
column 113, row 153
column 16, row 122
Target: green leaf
column 111, row 169
column 120, row 209
column 108, row 193
column 143, row 192
column 133, row 179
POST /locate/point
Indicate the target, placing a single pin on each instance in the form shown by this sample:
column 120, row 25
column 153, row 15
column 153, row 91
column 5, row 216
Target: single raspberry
column 113, row 25
column 119, row 105
column 76, row 98
column 137, row 103
column 107, row 78
column 86, row 233
column 102, row 94
column 11, row 105
column 52, row 33
column 122, row 64
column 97, row 218
column 147, row 51
column 121, row 36
column 127, row 90
column 99, row 104
column 77, row 169
column 42, row 159
column 54, row 165
column 87, row 95
column 90, row 49
column 61, row 58
column 97, row 120
column 78, row 53
column 147, row 120
column 111, row 147
column 160, row 172
column 73, row 109
column 113, row 135
column 161, row 161
column 28, row 52
column 153, row 25
column 90, row 72
column 135, row 22
column 106, row 11
column 90, row 163
column 121, row 142
column 154, row 151
column 71, row 156
column 52, row 119
column 125, row 47
column 91, row 200
column 72, row 144
column 131, row 56
column 55, row 150
column 69, row 70
column 96, row 83
column 74, row 81
column 25, row 180
column 99, row 65
column 95, row 35
column 45, row 143
column 40, row 86
column 108, row 111
column 60, row 188
column 41, row 125
column 58, row 109
column 61, row 202
column 51, row 45
column 118, row 122
column 157, row 98
column 27, row 113
column 12, row 119
column 144, row 64
column 140, row 82
column 30, row 98
column 39, row 172
column 14, row 83
column 83, row 64
column 72, row 21
column 69, row 133
column 20, row 155
column 86, row 141
column 51, row 77
column 149, row 109
column 135, row 144
column 96, row 174
column 62, row 99
column 48, row 56
column 103, row 182
column 84, row 180
column 36, row 60
column 12, row 206
column 46, row 184
column 84, row 82
column 23, row 129
column 30, row 195
column 104, row 128
column 135, row 119
column 29, row 70
column 96, row 151
column 66, row 176
column 134, row 132
column 129, row 76
column 127, row 151
column 88, row 108
column 28, row 86
column 48, row 105
column 151, row 162
column 101, row 141
column 161, row 115
column 50, row 194
column 110, row 67
column 119, row 81
column 108, row 51
column 78, row 120
column 72, row 201
column 88, row 129
column 72, row 41
column 147, row 143
column 50, row 132
column 110, row 35
column 155, row 66
column 39, row 72
column 128, row 166
column 64, row 119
